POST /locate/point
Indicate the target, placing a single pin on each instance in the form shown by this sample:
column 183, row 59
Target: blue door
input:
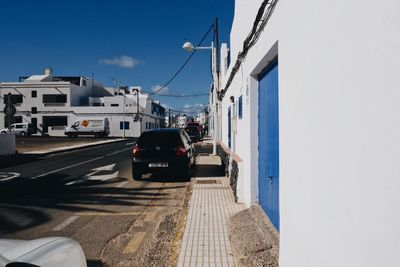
column 229, row 127
column 268, row 144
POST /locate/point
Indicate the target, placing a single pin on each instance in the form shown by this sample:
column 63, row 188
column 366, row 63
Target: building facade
column 312, row 94
column 51, row 103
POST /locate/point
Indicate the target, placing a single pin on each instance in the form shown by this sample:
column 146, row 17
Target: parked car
column 98, row 127
column 43, row 252
column 22, row 129
column 194, row 133
column 166, row 150
column 197, row 124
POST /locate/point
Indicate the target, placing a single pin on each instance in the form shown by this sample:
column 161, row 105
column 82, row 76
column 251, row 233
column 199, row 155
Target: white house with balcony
column 312, row 93
column 53, row 102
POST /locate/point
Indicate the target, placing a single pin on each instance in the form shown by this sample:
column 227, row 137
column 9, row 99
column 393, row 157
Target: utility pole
column 169, row 118
column 215, row 53
column 92, row 87
column 123, row 111
column 137, row 116
column 9, row 113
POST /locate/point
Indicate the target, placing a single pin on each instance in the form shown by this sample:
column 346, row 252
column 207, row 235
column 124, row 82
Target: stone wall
column 233, row 174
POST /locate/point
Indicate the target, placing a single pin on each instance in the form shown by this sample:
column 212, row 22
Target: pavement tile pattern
column 206, row 239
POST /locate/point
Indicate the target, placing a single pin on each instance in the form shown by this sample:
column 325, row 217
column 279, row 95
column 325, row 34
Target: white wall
column 7, row 144
column 339, row 150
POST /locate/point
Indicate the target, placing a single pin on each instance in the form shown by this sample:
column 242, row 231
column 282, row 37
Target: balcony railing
column 54, row 104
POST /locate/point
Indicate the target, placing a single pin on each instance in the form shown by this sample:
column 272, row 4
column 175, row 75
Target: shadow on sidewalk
column 208, row 170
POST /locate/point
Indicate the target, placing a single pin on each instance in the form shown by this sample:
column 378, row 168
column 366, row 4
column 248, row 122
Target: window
column 83, row 82
column 34, row 110
column 240, row 107
column 55, row 98
column 15, row 99
column 121, row 125
column 167, row 139
column 115, row 105
column 34, row 94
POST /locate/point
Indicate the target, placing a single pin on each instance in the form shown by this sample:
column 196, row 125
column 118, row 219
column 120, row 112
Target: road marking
column 129, row 144
column 149, row 216
column 109, row 213
column 118, row 151
column 68, row 167
column 65, row 223
column 120, row 185
column 92, row 177
column 5, row 176
column 134, row 242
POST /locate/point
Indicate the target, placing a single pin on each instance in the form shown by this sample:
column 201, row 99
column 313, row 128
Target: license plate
column 158, row 165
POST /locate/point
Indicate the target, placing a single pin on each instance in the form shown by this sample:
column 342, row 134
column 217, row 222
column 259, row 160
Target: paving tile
column 206, row 240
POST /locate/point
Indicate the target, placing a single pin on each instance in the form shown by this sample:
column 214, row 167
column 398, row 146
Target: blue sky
column 135, row 42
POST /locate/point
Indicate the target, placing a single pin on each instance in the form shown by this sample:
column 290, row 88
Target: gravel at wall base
column 254, row 240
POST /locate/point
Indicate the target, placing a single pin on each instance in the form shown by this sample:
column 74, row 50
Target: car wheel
column 186, row 174
column 22, row 133
column 193, row 166
column 136, row 175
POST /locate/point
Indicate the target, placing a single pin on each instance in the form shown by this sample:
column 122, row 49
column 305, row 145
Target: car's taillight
column 181, row 151
column 136, row 151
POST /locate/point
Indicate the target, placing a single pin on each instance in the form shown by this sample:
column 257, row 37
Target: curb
column 69, row 148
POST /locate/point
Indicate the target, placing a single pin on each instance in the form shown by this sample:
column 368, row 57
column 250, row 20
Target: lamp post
column 137, row 116
column 124, row 113
column 216, row 73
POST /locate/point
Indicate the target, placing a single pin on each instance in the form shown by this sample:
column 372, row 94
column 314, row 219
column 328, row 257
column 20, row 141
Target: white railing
column 54, row 104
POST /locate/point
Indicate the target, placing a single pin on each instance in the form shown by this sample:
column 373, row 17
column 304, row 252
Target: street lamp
column 188, row 46
column 137, row 116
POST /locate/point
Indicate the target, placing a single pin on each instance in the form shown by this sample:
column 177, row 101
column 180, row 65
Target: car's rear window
column 192, row 130
column 169, row 139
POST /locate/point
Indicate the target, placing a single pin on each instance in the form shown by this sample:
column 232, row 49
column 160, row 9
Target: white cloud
column 157, row 87
column 121, row 61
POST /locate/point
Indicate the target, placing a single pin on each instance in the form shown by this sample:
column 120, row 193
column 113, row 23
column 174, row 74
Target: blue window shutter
column 240, row 107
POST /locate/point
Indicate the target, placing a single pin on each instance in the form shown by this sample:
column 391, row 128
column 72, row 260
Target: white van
column 99, row 127
column 22, row 129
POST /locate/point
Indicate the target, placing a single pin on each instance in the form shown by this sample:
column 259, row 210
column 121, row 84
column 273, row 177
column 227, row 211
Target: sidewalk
column 206, row 239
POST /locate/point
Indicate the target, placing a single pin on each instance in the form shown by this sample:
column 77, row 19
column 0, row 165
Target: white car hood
column 44, row 252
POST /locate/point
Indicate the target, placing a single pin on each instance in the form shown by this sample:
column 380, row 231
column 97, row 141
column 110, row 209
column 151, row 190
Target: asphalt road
column 89, row 195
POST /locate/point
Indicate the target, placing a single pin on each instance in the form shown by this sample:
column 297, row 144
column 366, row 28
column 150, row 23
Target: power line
column 193, row 95
column 184, row 64
column 263, row 15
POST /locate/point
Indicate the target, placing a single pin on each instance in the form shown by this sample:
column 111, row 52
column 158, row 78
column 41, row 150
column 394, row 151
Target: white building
column 45, row 101
column 314, row 100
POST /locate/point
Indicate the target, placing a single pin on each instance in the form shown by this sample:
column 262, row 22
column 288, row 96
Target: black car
column 167, row 150
column 194, row 132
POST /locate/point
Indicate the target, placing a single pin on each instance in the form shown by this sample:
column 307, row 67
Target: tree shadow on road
column 26, row 203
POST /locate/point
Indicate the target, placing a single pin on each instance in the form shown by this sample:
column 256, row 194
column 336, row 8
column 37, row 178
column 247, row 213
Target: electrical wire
column 181, row 95
column 259, row 24
column 195, row 95
column 184, row 64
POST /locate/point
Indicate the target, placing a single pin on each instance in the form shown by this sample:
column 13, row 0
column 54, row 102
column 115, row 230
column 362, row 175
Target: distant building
column 49, row 102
